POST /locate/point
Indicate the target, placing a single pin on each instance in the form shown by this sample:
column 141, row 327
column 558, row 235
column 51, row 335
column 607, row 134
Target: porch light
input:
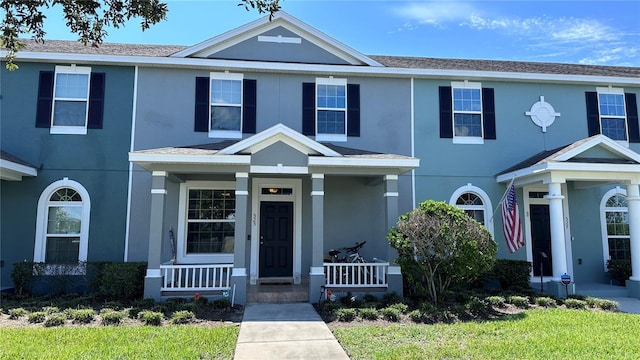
column 273, row 190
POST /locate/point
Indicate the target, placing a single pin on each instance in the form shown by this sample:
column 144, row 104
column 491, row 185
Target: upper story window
column 331, row 104
column 225, row 105
column 331, row 109
column 615, row 225
column 62, row 224
column 467, row 112
column 613, row 113
column 70, row 100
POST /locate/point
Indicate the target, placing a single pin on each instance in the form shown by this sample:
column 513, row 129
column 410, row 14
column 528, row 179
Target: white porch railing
column 203, row 277
column 355, row 275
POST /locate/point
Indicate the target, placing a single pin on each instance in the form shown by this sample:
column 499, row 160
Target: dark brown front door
column 276, row 239
column 541, row 239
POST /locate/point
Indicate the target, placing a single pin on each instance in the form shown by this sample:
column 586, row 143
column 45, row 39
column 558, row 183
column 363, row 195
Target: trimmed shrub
column 546, row 302
column 369, row 313
column 369, row 298
column 607, row 305
column 519, row 301
column 512, row 273
column 37, row 317
column 346, row 314
column 427, row 308
column 477, row 306
column 400, row 306
column 122, row 281
column 221, row 303
column 111, row 317
column 23, row 278
column 416, row 316
column 391, row 314
column 182, row 317
column 56, row 319
column 152, row 318
column 497, row 301
column 17, row 313
column 390, row 298
column 192, row 306
column 575, row 303
column 81, row 316
column 330, row 307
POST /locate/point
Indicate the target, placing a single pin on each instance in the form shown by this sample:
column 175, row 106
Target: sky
column 581, row 32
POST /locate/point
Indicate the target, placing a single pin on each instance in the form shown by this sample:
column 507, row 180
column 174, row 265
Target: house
column 244, row 159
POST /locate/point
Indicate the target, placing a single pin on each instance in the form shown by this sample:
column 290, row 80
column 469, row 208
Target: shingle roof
column 75, row 47
column 14, row 159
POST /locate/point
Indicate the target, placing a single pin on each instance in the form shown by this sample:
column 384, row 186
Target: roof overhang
column 13, row 171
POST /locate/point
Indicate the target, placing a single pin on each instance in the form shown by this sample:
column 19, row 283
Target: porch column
column 394, row 275
column 153, row 279
column 633, row 206
column 239, row 273
column 558, row 246
column 316, row 274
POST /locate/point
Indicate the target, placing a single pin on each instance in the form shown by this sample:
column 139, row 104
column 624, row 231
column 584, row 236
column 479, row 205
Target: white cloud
column 436, row 13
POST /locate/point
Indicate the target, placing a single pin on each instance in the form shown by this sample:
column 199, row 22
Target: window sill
column 331, row 137
column 468, row 140
column 225, row 134
column 70, row 130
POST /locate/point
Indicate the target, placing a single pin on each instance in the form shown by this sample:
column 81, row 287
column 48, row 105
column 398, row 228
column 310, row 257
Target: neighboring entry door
column 276, row 239
column 541, row 239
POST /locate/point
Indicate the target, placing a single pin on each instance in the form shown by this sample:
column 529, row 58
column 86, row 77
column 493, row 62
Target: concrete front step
column 277, row 293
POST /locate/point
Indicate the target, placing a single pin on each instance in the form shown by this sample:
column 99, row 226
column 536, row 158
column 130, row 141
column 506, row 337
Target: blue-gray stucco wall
column 97, row 160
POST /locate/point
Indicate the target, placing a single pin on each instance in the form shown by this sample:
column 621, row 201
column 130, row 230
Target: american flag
column 511, row 221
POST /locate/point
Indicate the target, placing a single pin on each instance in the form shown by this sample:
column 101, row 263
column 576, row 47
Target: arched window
column 615, row 225
column 62, row 227
column 475, row 202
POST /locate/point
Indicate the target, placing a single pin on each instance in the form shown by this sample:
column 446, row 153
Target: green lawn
column 534, row 334
column 119, row 342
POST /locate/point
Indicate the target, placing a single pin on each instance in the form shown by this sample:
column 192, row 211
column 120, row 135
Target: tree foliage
column 440, row 246
column 87, row 18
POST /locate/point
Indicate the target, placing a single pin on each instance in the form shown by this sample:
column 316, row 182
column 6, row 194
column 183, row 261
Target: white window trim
column 76, row 130
column 226, row 134
column 467, row 139
column 603, row 221
column 40, row 248
column 616, row 91
column 332, row 137
column 181, row 240
column 486, row 201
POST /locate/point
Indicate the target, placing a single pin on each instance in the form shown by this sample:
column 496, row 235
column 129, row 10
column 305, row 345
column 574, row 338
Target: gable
column 282, row 39
column 279, row 153
column 596, row 152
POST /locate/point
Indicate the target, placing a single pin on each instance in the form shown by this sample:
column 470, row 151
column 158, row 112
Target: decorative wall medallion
column 542, row 114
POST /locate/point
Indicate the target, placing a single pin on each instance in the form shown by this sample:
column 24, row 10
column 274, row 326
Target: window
column 225, row 105
column 467, row 113
column 62, row 224
column 206, row 231
column 331, row 109
column 70, row 100
column 475, row 203
column 613, row 113
column 615, row 224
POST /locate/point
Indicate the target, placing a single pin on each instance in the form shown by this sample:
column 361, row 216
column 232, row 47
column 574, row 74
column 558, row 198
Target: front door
column 541, row 239
column 276, row 239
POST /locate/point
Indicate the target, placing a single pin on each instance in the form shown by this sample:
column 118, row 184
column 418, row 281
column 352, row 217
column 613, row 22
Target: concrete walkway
column 627, row 304
column 285, row 331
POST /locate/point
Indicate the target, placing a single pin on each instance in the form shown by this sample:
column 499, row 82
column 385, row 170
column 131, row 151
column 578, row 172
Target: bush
column 416, row 316
column 575, row 303
column 477, row 306
column 519, row 301
column 17, row 313
column 22, row 276
column 111, row 317
column 56, row 319
column 390, row 298
column 391, row 314
column 346, row 314
column 400, row 306
column 37, row 317
column 369, row 314
column 122, row 281
column 369, row 298
column 51, row 310
column 603, row 304
column 619, row 270
column 497, row 301
column 427, row 308
column 512, row 273
column 546, row 302
column 182, row 317
column 81, row 316
column 151, row 317
column 221, row 303
column 329, row 307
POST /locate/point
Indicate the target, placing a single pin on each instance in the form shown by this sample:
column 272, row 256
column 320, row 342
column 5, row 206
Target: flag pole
column 502, row 198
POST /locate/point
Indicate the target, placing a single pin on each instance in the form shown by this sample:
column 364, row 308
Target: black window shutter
column 488, row 114
column 632, row 117
column 308, row 108
column 249, row 106
column 353, row 110
column 201, row 120
column 45, row 99
column 446, row 121
column 96, row 101
column 593, row 116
